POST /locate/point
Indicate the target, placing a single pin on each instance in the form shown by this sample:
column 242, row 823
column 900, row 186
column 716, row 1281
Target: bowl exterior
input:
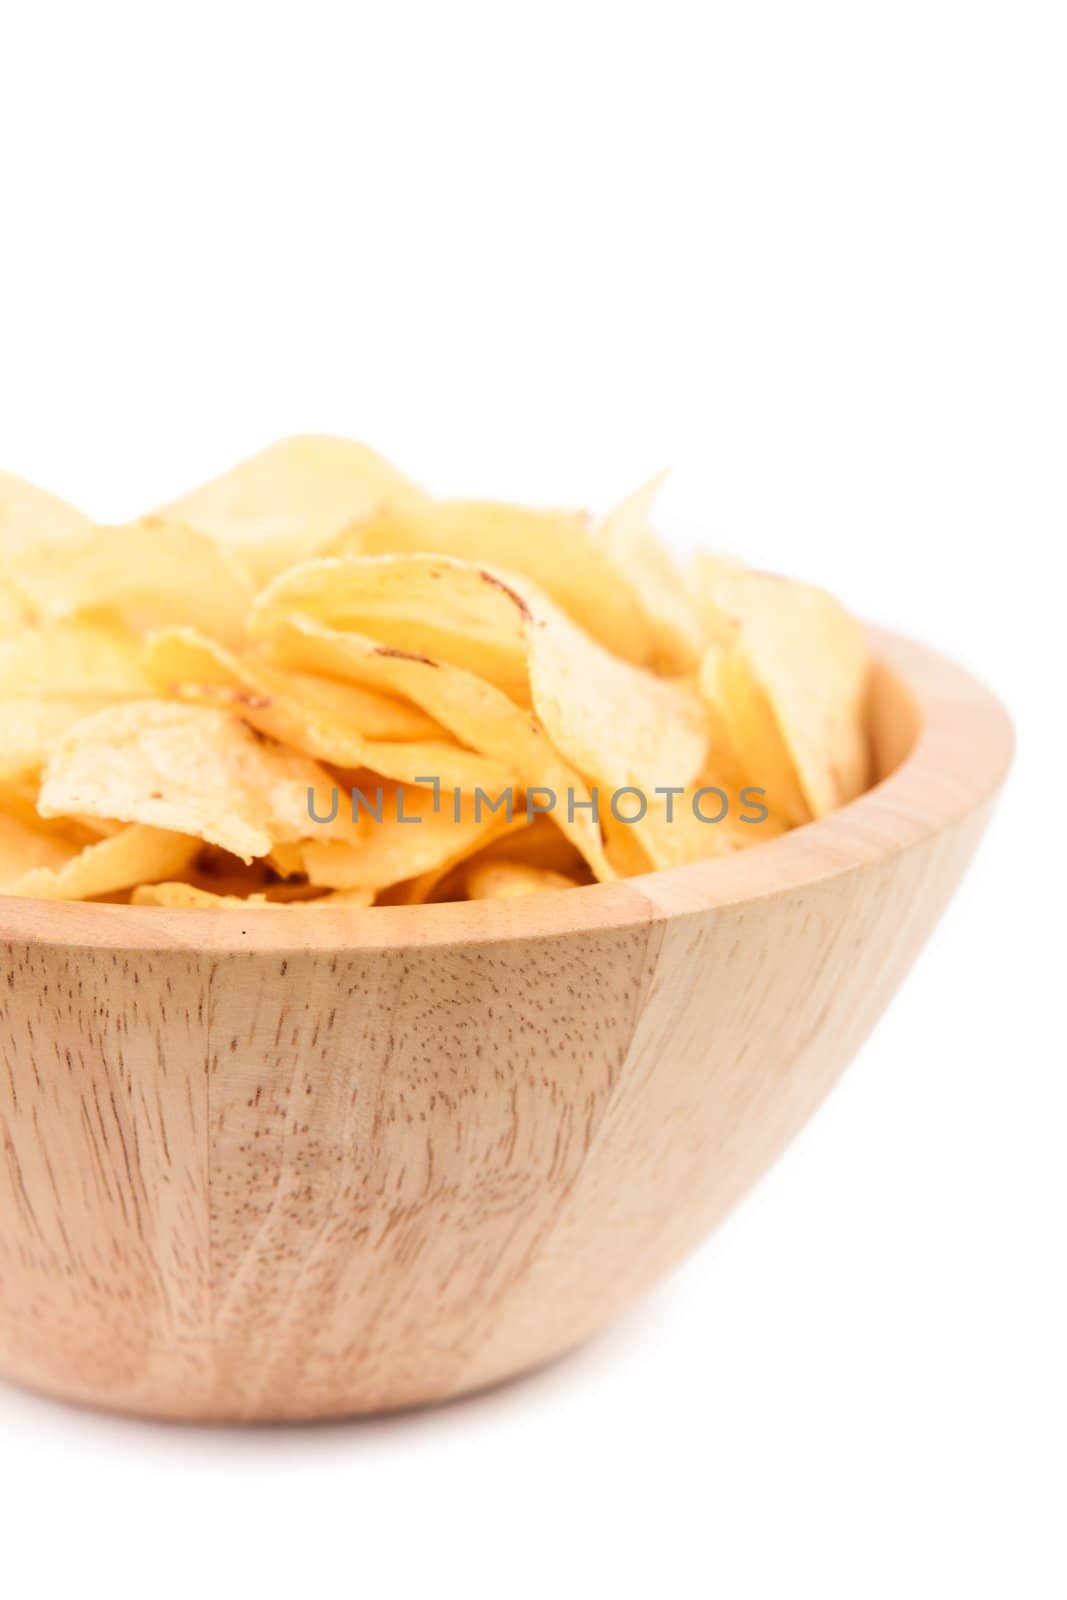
column 264, row 1184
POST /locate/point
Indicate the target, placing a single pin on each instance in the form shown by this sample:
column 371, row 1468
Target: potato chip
column 178, row 656
column 536, row 840
column 190, row 769
column 789, row 684
column 219, row 876
column 670, row 613
column 187, row 896
column 659, row 733
column 32, row 726
column 541, row 700
column 624, row 849
column 477, row 713
column 745, row 726
column 557, row 550
column 25, row 847
column 134, row 855
column 443, row 762
column 662, row 737
column 73, row 658
column 280, row 718
column 418, row 831
column 615, row 581
column 447, row 771
column 29, row 515
column 314, row 714
column 711, row 817
column 425, row 605
column 15, row 613
column 713, row 579
column 286, row 859
column 146, row 574
column 510, row 880
column 285, row 504
column 18, row 799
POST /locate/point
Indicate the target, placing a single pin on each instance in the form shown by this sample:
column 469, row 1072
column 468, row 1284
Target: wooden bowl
column 310, row 1163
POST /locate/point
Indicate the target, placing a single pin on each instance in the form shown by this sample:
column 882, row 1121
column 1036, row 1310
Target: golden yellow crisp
column 152, row 572
column 788, row 675
column 510, row 880
column 291, row 500
column 312, row 683
column 188, row 768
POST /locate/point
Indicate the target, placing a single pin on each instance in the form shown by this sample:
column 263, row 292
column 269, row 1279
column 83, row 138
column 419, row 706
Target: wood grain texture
column 306, row 1164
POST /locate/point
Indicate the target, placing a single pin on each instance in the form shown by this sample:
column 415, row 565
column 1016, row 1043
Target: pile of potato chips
column 311, row 682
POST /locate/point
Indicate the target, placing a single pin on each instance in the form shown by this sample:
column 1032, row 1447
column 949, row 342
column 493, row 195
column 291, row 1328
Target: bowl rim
column 961, row 752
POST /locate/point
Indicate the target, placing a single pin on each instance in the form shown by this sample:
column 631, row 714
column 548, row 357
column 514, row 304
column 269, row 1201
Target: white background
column 814, row 257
